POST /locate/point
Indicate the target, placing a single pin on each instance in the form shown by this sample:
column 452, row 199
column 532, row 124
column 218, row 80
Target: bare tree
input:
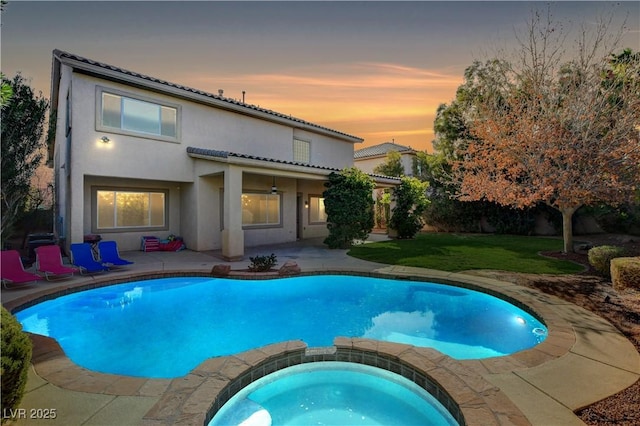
column 564, row 130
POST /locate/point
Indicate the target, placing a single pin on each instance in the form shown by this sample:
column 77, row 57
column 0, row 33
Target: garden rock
column 221, row 270
column 289, row 268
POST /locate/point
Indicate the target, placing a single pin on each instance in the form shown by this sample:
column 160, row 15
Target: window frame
column 124, row 229
column 320, row 197
column 100, row 127
column 265, row 225
column 308, row 149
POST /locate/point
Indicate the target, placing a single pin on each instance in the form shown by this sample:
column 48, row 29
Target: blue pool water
column 164, row 328
column 333, row 393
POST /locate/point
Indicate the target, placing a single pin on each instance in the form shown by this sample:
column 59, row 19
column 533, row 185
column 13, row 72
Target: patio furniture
column 82, row 257
column 109, row 254
column 49, row 262
column 93, row 240
column 12, row 270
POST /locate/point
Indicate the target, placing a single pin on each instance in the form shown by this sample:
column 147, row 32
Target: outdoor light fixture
column 105, row 139
column 274, row 188
column 306, row 204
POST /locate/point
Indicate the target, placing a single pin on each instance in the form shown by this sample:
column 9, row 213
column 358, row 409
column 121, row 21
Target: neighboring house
column 135, row 155
column 367, row 159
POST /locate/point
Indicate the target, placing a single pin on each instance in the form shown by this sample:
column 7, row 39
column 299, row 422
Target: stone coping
column 197, row 397
column 193, row 397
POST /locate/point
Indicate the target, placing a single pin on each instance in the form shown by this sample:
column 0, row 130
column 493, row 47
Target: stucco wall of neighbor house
column 368, row 165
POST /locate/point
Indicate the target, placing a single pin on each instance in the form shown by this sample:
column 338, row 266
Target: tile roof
column 226, row 154
column 248, row 108
column 381, row 149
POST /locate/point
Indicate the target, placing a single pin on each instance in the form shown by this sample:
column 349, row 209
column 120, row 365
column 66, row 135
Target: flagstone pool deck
column 584, row 358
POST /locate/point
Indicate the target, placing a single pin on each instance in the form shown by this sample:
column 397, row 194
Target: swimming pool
column 333, row 393
column 163, row 328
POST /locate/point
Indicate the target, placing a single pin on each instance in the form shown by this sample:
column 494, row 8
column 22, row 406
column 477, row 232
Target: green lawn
column 460, row 252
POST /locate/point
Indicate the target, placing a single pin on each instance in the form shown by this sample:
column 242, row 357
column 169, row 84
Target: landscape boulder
column 289, row 268
column 221, row 270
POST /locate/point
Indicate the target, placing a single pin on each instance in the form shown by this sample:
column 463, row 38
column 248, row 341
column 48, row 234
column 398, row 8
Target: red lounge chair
column 12, row 270
column 49, row 262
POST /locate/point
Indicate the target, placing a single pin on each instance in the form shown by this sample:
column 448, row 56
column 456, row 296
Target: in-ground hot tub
column 333, row 393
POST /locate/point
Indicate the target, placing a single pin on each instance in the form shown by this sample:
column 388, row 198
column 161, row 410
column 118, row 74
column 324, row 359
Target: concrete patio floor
column 583, row 360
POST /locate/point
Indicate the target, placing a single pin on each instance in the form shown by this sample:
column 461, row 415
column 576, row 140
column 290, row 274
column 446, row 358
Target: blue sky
column 377, row 70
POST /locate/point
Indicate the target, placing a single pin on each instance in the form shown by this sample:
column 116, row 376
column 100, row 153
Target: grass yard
column 461, row 252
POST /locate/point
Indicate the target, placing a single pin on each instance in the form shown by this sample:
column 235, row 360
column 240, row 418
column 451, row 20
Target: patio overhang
column 260, row 165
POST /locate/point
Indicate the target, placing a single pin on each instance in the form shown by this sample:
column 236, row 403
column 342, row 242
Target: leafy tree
column 410, row 202
column 556, row 134
column 392, row 166
column 5, row 92
column 348, row 202
column 22, row 130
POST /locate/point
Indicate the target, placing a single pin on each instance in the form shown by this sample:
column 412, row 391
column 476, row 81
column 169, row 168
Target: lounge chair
column 12, row 269
column 49, row 262
column 109, row 254
column 82, row 256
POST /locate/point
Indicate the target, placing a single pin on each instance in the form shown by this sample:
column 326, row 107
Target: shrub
column 600, row 258
column 262, row 263
column 625, row 272
column 411, row 203
column 348, row 202
column 16, row 356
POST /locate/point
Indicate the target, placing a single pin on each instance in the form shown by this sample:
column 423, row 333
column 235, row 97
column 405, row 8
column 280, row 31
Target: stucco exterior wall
column 368, row 164
column 131, row 240
column 311, row 230
column 194, row 186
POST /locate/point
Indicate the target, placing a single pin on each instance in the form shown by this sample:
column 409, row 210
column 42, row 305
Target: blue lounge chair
column 82, row 256
column 109, row 254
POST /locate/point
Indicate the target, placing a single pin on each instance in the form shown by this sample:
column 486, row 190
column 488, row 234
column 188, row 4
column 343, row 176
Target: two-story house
column 135, row 155
column 367, row 159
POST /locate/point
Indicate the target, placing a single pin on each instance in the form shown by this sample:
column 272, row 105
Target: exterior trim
column 135, row 79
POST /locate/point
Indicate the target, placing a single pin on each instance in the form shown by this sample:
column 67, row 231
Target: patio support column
column 232, row 233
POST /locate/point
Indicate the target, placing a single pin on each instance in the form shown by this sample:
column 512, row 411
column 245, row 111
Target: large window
column 301, row 151
column 137, row 116
column 123, row 209
column 317, row 213
column 260, row 209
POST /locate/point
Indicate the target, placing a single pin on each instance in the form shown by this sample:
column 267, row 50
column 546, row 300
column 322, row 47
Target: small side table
column 93, row 239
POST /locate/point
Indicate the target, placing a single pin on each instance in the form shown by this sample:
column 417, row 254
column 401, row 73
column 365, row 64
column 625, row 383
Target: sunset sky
column 377, row 70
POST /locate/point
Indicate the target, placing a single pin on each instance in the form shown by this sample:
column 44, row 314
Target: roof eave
column 116, row 75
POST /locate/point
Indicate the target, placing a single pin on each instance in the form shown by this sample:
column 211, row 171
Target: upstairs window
column 137, row 116
column 301, row 151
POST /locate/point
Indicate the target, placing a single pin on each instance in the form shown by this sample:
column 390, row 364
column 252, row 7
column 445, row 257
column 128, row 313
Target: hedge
column 625, row 272
column 16, row 356
column 600, row 258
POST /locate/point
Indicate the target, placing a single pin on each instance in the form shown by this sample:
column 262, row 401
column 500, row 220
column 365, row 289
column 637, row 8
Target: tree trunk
column 567, row 228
